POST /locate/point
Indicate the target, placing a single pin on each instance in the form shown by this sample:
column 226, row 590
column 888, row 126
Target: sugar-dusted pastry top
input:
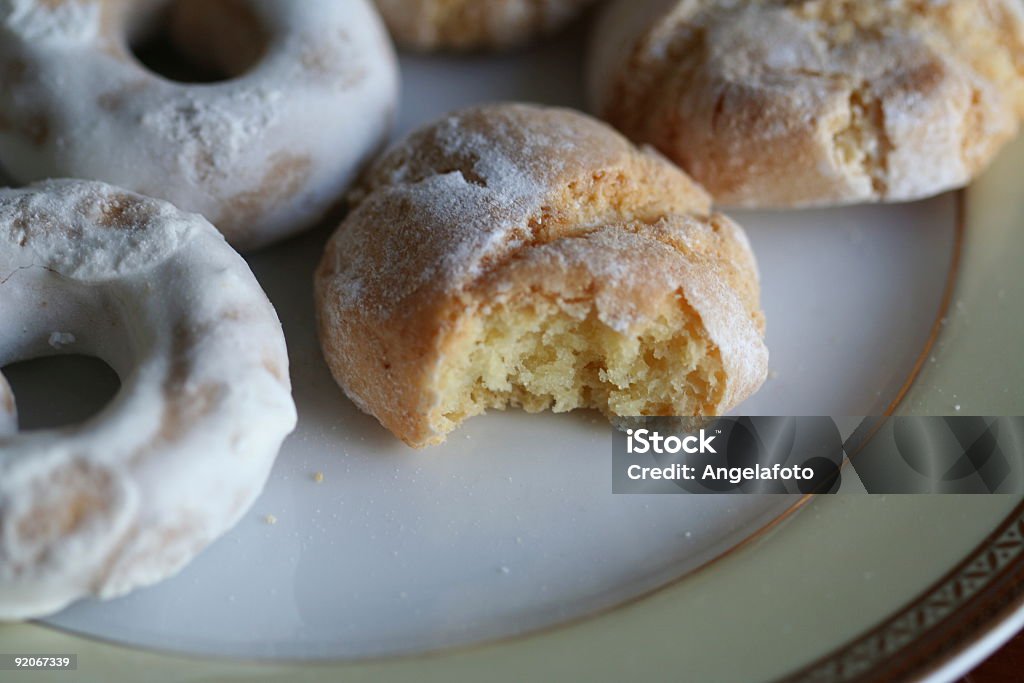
column 779, row 103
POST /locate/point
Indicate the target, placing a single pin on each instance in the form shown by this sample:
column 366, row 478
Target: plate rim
column 968, row 622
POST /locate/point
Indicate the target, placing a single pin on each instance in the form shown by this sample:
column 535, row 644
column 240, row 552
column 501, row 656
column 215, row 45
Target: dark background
column 1005, row 666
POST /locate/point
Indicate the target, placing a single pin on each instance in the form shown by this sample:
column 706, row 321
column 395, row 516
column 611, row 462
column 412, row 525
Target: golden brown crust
column 429, row 25
column 778, row 103
column 504, row 201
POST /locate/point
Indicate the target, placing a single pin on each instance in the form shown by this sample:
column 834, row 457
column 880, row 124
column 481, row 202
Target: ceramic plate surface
column 503, row 553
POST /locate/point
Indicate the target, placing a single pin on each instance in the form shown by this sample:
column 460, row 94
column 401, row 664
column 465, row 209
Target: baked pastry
column 514, row 255
column 309, row 93
column 428, row 25
column 131, row 496
column 787, row 103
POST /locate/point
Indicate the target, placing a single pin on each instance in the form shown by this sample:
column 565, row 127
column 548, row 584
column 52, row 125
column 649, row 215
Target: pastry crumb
column 270, row 519
column 318, row 477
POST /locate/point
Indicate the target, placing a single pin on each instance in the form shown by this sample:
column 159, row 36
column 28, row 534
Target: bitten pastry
column 307, row 97
column 131, row 496
column 787, row 103
column 475, row 24
column 515, row 255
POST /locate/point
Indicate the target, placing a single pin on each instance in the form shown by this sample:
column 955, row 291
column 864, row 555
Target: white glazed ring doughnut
column 131, row 496
column 262, row 156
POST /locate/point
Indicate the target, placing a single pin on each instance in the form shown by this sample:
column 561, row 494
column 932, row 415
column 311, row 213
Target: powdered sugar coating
column 77, row 22
column 57, row 224
column 262, row 156
column 465, row 190
column 131, row 496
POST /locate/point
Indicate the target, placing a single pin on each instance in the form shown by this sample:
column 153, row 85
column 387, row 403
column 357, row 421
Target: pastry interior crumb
column 550, row 355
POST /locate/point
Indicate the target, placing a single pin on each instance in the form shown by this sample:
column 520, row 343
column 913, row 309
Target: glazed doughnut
column 784, row 103
column 428, row 25
column 311, row 90
column 129, row 497
column 516, row 255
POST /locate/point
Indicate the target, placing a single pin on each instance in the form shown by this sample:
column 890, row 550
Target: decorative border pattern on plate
column 939, row 622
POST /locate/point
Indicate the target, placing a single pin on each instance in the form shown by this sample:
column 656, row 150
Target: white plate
column 511, row 526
